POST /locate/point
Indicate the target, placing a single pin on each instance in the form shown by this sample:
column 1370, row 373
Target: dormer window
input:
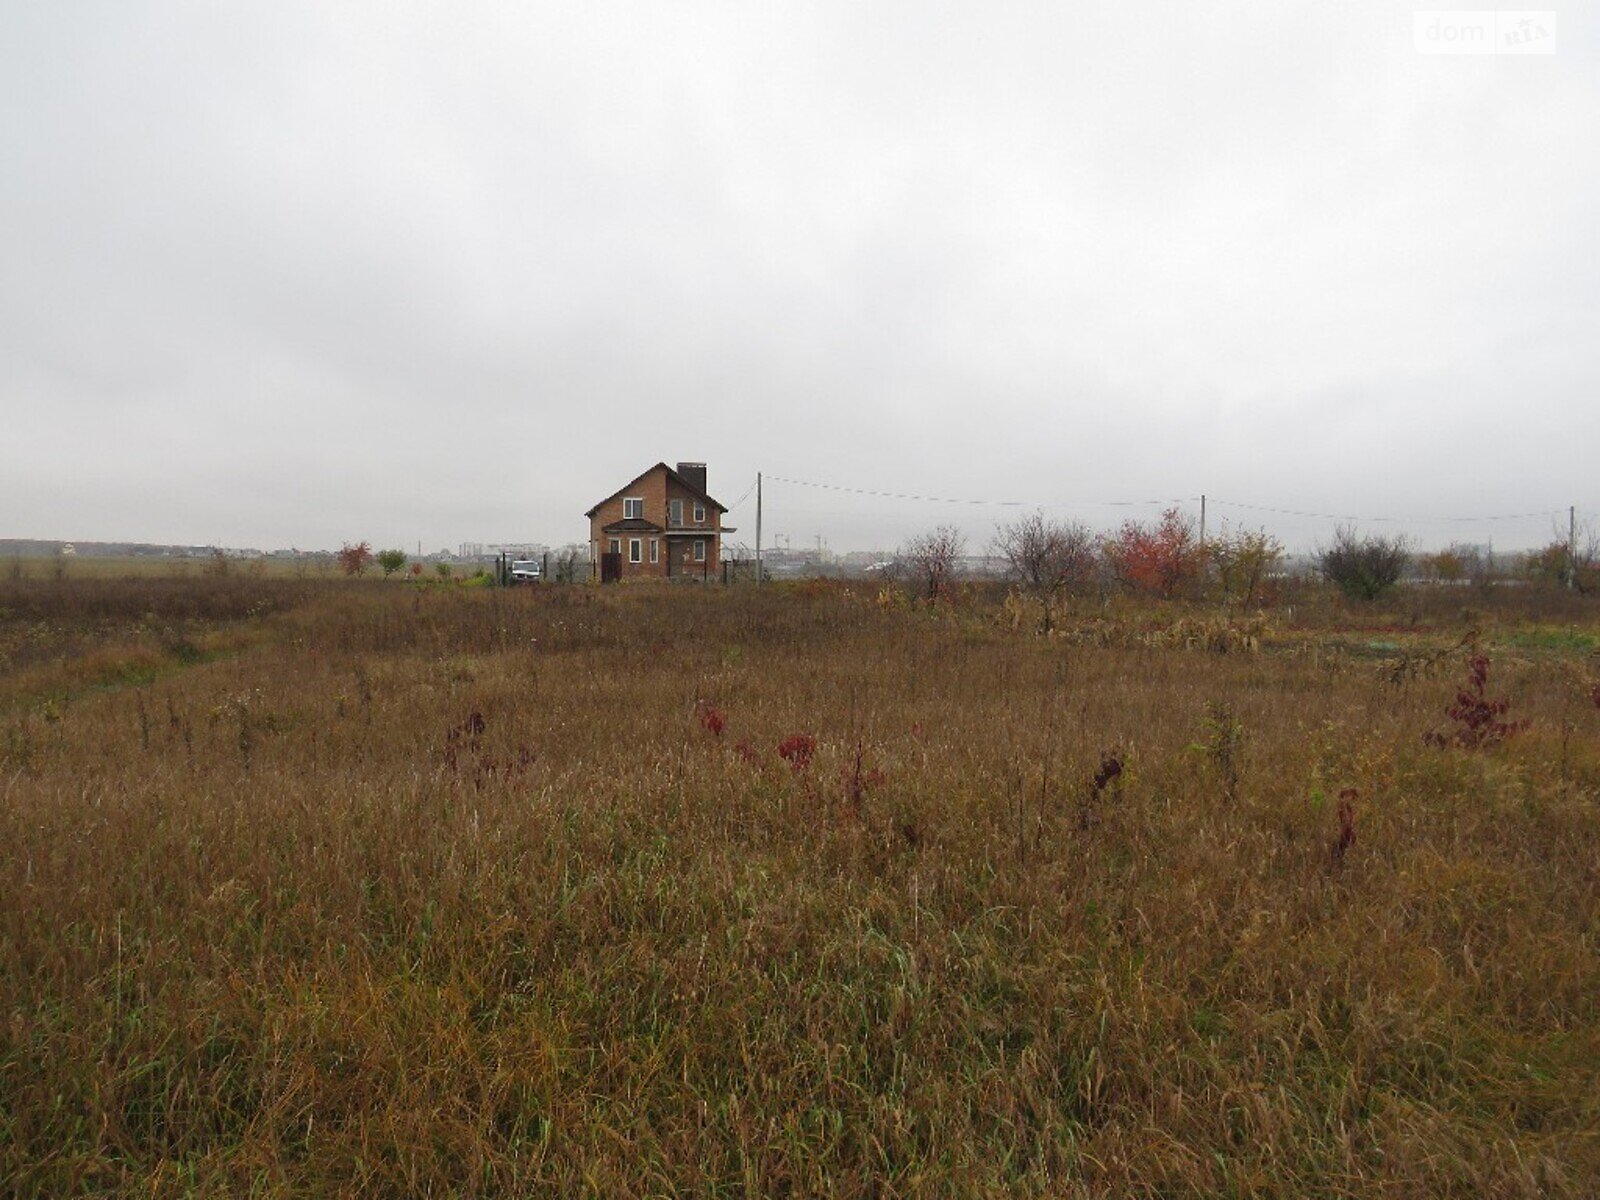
column 633, row 508
column 674, row 512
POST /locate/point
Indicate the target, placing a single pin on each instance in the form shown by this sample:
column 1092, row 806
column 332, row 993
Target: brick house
column 661, row 525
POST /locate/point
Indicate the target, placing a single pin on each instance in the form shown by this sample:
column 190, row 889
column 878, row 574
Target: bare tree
column 1577, row 562
column 1048, row 558
column 1586, row 565
column 1363, row 568
column 931, row 559
column 567, row 561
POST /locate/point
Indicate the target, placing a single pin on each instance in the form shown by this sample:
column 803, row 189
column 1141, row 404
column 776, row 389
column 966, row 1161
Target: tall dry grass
column 395, row 891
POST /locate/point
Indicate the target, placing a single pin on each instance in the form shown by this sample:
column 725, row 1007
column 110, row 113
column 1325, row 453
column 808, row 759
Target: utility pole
column 1202, row 520
column 758, row 526
column 1572, row 547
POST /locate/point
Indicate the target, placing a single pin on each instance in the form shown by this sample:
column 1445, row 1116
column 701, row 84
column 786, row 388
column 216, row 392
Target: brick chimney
column 695, row 473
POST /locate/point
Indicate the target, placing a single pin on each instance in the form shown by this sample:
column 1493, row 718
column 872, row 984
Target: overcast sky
column 293, row 274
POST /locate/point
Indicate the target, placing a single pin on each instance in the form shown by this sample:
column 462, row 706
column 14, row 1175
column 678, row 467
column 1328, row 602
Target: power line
column 1264, row 508
column 1414, row 520
column 839, row 487
column 744, row 497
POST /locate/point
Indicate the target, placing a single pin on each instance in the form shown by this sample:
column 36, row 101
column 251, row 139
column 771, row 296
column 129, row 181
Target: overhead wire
column 1210, row 500
column 1414, row 520
column 858, row 491
column 746, row 495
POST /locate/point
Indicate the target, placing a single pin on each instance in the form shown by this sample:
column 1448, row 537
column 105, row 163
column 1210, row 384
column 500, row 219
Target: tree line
column 1167, row 558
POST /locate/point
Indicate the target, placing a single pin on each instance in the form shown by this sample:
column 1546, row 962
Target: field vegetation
column 317, row 886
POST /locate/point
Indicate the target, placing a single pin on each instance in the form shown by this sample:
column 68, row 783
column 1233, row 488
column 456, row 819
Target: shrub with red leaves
column 747, row 752
column 796, row 750
column 1110, row 768
column 1347, row 826
column 1109, row 775
column 712, row 719
column 1158, row 559
column 466, row 741
column 1480, row 722
column 354, row 560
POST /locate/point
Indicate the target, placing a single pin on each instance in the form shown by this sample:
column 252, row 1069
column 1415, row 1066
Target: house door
column 611, row 566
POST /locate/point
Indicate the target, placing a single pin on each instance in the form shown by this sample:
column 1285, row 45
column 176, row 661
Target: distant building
column 660, row 525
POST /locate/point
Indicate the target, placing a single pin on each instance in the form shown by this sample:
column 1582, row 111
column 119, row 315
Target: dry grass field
column 314, row 888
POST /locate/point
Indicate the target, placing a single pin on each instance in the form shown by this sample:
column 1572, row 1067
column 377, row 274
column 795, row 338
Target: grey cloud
column 297, row 273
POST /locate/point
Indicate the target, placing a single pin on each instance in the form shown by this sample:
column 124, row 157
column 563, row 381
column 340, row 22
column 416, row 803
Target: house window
column 655, row 550
column 633, row 508
column 674, row 512
column 699, row 550
column 699, row 513
column 615, row 546
column 635, row 550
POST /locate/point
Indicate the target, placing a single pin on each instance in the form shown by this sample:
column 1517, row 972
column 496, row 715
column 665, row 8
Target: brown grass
column 280, row 917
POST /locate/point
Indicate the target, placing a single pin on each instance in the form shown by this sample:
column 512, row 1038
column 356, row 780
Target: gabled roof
column 691, row 488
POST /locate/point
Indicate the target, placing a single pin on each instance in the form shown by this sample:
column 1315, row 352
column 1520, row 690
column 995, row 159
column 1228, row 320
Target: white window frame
column 655, row 550
column 635, row 550
column 674, row 512
column 699, row 513
column 614, row 546
column 699, row 549
column 633, row 508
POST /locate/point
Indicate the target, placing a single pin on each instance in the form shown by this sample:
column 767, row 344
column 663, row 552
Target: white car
column 526, row 570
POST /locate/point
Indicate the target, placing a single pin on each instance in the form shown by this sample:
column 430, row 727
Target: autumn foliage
column 1479, row 721
column 1162, row 558
column 355, row 559
column 796, row 750
column 712, row 719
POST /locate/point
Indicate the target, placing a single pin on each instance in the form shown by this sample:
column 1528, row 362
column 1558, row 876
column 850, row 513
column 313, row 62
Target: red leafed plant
column 712, row 719
column 796, row 750
column 1480, row 721
column 858, row 778
column 1347, row 826
column 1159, row 559
column 1109, row 776
column 354, row 560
